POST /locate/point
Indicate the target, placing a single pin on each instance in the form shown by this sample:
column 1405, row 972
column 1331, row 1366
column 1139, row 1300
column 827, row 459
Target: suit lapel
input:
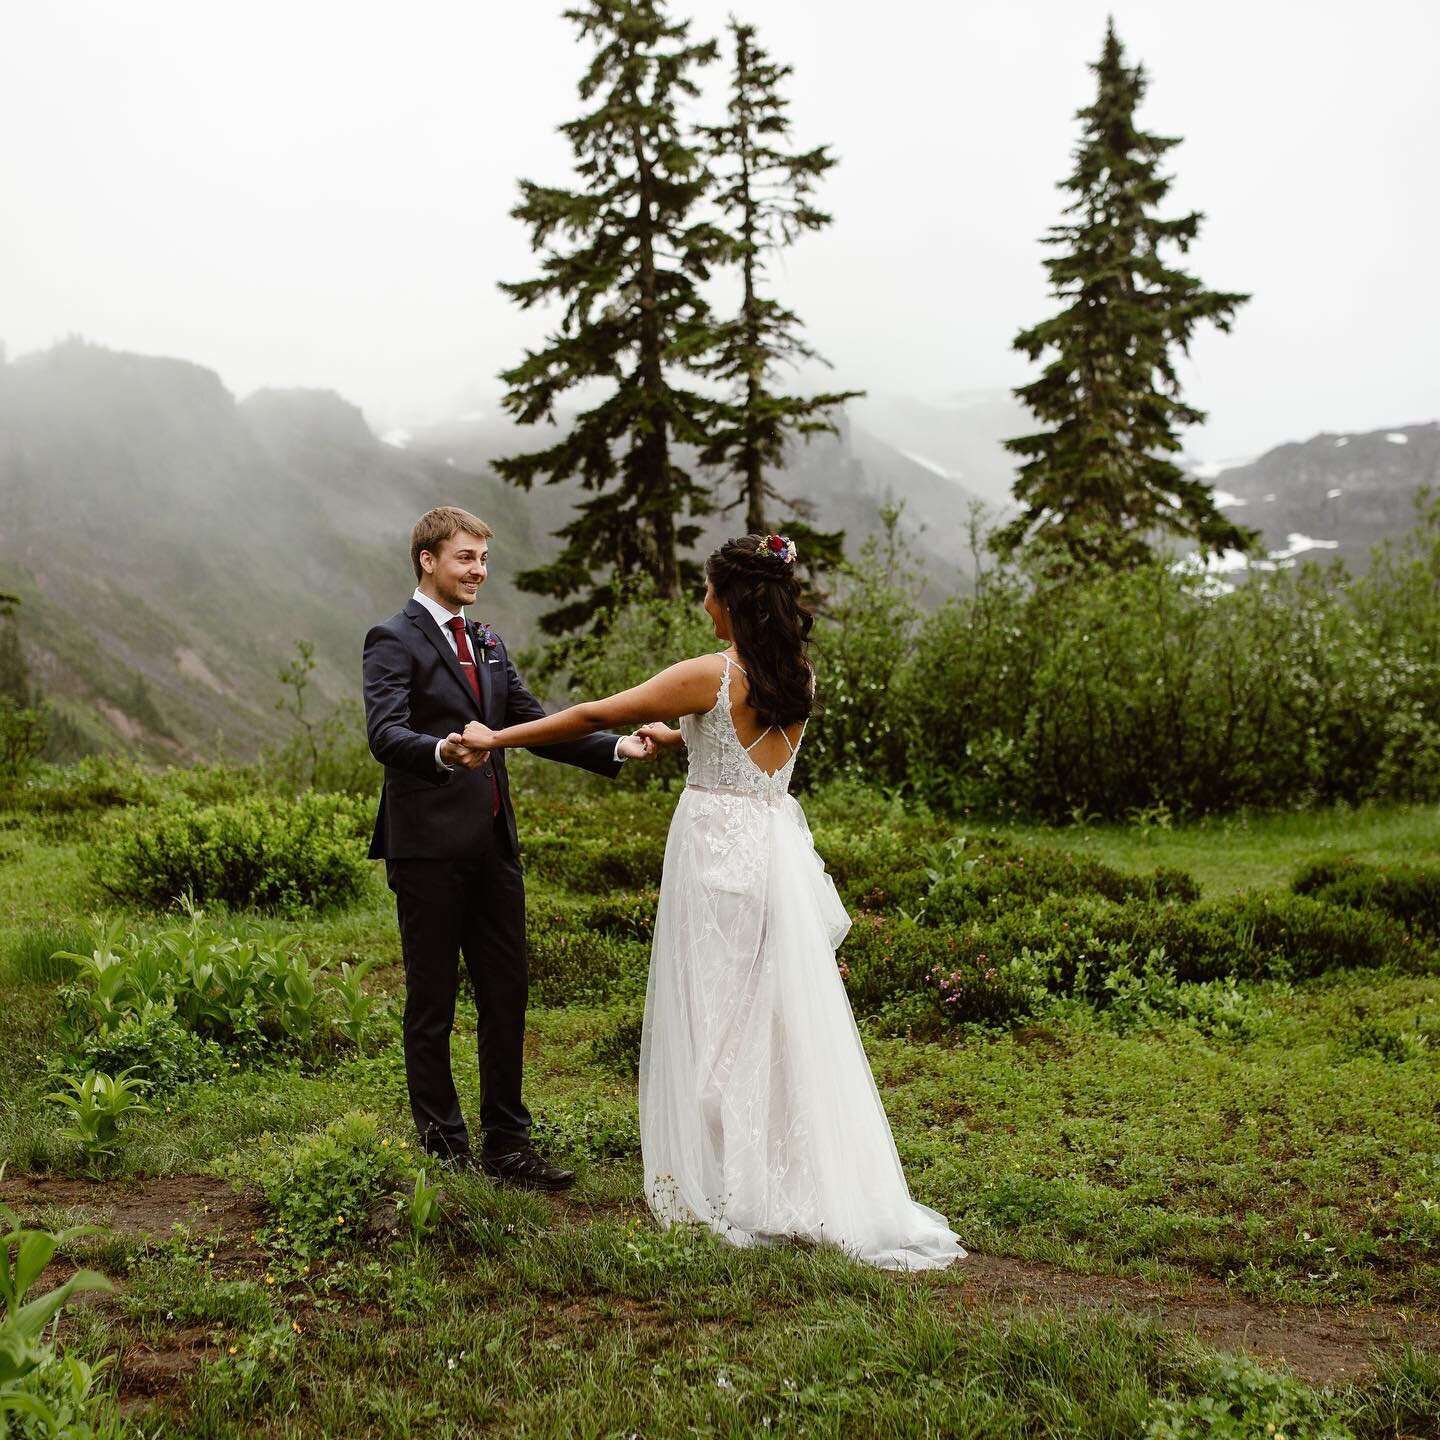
column 425, row 622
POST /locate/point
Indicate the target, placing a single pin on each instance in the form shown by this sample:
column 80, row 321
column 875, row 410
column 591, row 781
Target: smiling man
column 446, row 831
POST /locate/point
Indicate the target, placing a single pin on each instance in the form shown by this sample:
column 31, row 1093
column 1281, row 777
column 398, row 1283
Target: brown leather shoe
column 527, row 1169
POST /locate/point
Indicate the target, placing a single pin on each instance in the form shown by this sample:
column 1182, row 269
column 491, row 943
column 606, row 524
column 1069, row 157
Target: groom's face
column 457, row 570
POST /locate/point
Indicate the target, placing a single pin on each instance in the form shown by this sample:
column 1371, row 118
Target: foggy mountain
column 170, row 543
column 1333, row 494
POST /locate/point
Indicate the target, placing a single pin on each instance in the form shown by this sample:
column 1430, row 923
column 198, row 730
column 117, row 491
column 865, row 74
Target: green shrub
column 626, row 916
column 1142, row 959
column 986, row 873
column 886, row 962
column 595, row 865
column 570, row 965
column 617, row 1046
column 874, row 869
column 152, row 1043
column 1392, row 1041
column 321, row 1188
column 1117, row 693
column 263, row 851
column 94, row 784
column 1409, row 893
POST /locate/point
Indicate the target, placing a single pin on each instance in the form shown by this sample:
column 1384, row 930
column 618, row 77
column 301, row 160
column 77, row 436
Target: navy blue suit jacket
column 416, row 694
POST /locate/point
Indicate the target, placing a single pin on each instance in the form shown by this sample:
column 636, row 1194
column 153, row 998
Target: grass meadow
column 1165, row 1098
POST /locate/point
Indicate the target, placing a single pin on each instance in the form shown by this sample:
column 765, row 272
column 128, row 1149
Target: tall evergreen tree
column 765, row 193
column 633, row 313
column 1099, row 480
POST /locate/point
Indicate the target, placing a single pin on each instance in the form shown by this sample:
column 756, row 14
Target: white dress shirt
column 443, row 617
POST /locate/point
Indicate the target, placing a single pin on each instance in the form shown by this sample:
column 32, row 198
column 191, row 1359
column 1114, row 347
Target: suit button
column 488, row 770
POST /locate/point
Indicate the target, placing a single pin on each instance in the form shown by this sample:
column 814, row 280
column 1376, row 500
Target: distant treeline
column 1138, row 694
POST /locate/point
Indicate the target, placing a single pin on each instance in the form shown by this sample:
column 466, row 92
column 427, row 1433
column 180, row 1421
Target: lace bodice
column 719, row 762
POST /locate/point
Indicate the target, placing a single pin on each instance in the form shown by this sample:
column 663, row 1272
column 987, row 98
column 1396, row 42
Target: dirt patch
column 1323, row 1346
column 142, row 1210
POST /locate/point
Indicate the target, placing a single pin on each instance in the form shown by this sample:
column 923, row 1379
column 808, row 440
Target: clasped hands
column 471, row 748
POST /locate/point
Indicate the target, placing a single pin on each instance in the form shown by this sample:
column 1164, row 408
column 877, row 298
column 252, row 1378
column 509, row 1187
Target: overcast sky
column 316, row 192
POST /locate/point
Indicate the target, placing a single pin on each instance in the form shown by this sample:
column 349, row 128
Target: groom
column 446, row 831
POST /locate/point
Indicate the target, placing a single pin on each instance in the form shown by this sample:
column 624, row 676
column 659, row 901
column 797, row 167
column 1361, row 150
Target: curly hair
column 770, row 623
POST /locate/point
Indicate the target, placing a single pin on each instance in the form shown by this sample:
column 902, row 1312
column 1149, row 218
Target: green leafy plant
column 248, row 994
column 36, row 1384
column 1242, row 1399
column 95, row 1105
column 422, row 1206
column 359, row 1011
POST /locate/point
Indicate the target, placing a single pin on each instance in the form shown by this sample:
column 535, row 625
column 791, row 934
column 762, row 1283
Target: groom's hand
column 454, row 750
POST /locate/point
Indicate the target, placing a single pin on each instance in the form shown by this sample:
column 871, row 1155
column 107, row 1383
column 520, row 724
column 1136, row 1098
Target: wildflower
column 450, row 1363
column 295, row 1326
column 384, row 1144
column 269, row 1279
column 339, row 1219
column 234, row 1349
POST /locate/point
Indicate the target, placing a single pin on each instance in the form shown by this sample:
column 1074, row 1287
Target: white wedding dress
column 758, row 1113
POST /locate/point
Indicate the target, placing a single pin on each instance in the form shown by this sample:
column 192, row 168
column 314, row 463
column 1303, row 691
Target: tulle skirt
column 759, row 1115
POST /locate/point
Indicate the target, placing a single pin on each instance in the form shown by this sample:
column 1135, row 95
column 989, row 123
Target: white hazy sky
column 316, row 192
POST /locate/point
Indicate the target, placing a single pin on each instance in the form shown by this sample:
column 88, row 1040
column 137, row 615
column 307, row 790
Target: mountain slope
column 167, row 541
column 1347, row 492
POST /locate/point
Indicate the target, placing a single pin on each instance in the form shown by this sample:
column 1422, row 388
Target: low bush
column 986, row 873
column 594, row 865
column 617, row 1046
column 920, row 978
column 263, row 851
column 876, row 869
column 322, row 1187
column 571, row 964
column 1409, row 893
column 626, row 916
column 1143, row 959
column 152, row 1042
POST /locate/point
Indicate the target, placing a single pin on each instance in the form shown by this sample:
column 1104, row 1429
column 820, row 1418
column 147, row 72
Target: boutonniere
column 486, row 636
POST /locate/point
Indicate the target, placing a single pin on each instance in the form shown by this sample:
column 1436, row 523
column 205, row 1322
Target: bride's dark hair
column 770, row 624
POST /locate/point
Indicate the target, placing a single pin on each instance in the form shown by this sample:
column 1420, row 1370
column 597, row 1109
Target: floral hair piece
column 780, row 546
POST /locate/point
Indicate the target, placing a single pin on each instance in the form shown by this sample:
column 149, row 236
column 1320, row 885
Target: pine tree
column 629, row 281
column 1096, row 483
column 766, row 196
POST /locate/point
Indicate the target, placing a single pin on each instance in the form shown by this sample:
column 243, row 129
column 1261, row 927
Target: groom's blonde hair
column 436, row 526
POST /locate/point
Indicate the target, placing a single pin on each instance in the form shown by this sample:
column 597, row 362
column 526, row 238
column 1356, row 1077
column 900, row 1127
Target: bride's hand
column 478, row 736
column 662, row 735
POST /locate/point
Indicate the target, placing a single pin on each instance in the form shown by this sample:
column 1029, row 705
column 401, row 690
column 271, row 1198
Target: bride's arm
column 687, row 688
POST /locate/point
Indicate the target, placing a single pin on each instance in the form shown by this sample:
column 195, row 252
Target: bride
column 758, row 1113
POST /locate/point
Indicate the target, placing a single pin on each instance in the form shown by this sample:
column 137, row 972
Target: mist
column 318, row 195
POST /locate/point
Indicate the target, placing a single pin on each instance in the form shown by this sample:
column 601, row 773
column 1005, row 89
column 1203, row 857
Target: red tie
column 467, row 668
